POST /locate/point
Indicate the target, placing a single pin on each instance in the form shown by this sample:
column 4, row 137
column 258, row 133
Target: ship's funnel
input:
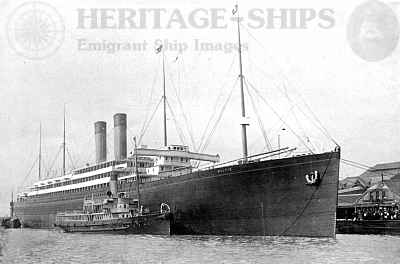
column 120, row 136
column 100, row 135
column 113, row 184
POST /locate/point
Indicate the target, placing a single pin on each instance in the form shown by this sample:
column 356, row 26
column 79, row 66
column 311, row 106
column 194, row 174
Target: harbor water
column 51, row 246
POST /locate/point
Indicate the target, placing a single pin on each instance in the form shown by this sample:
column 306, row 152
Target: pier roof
column 390, row 171
column 374, row 175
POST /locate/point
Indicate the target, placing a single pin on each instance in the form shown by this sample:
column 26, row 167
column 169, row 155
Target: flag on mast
column 159, row 49
column 234, row 11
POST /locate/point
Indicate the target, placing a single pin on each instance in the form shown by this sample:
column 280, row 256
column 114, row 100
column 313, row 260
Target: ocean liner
column 261, row 194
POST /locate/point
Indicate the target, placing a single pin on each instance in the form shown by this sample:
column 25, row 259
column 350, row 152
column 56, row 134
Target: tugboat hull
column 150, row 225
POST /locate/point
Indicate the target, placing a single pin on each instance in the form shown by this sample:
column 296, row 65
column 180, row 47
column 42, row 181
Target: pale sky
column 356, row 101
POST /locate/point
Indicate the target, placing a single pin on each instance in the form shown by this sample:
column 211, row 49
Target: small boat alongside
column 116, row 214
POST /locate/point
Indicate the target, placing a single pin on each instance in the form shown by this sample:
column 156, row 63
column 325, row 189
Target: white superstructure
column 173, row 160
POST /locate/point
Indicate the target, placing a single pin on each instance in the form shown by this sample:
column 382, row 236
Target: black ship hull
column 258, row 198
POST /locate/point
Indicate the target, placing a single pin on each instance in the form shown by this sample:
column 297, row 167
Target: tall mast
column 12, row 205
column 244, row 134
column 137, row 174
column 64, row 145
column 40, row 151
column 165, row 101
column 164, row 97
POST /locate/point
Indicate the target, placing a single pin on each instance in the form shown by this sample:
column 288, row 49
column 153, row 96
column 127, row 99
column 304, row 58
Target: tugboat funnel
column 113, row 184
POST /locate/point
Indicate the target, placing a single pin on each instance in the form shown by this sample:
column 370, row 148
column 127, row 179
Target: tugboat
column 116, row 214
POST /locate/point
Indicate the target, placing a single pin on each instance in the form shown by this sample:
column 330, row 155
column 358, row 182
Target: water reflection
column 43, row 246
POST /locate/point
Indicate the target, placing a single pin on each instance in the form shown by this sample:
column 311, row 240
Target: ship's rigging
column 246, row 88
column 40, row 152
column 164, row 99
column 64, row 144
column 241, row 78
column 137, row 173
